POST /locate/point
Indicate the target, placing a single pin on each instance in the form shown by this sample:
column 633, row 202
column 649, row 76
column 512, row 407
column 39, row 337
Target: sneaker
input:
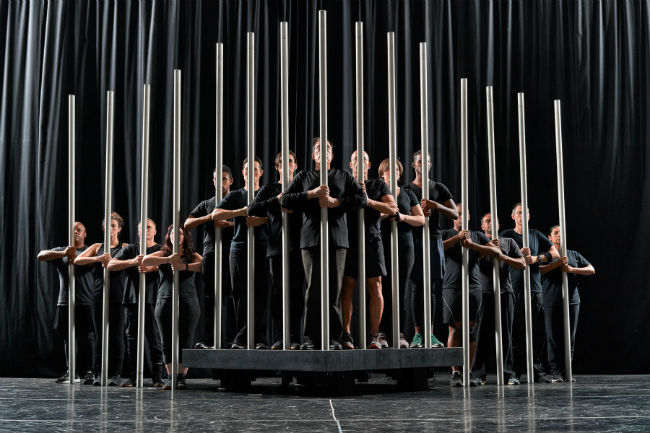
column 346, row 340
column 416, row 343
column 63, row 379
column 335, row 345
column 294, row 345
column 98, row 380
column 277, row 345
column 381, row 336
column 403, row 344
column 168, row 384
column 262, row 346
column 89, row 378
column 435, row 342
column 129, row 382
column 238, row 344
column 201, row 345
column 478, row 381
column 307, row 344
column 156, row 377
column 456, row 379
column 180, row 382
column 374, row 343
column 513, row 381
column 115, row 380
column 557, row 377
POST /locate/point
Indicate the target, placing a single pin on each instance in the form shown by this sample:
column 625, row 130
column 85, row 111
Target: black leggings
column 188, row 316
column 151, row 333
column 116, row 346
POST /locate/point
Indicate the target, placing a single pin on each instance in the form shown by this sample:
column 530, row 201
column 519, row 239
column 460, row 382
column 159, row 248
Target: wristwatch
column 539, row 258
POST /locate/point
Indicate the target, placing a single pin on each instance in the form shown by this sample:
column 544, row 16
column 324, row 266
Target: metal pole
column 284, row 97
column 250, row 128
column 144, row 196
column 176, row 208
column 218, row 295
column 464, row 199
column 361, row 226
column 324, row 232
column 72, row 339
column 426, row 239
column 108, row 192
column 392, row 159
column 524, row 233
column 563, row 245
column 496, row 280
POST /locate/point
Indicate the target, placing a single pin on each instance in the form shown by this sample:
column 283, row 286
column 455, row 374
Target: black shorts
column 375, row 262
column 452, row 305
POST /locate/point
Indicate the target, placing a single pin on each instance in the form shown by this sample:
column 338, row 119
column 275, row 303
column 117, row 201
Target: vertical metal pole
column 464, row 199
column 284, row 118
column 361, row 226
column 144, row 197
column 324, row 232
column 218, row 295
column 176, row 206
column 426, row 238
column 392, row 154
column 250, row 128
column 496, row 280
column 108, row 192
column 524, row 233
column 72, row 339
column 563, row 245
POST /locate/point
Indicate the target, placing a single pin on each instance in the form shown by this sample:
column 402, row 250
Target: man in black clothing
column 129, row 260
column 267, row 204
column 379, row 200
column 202, row 215
column 574, row 265
column 510, row 257
column 479, row 245
column 340, row 195
column 540, row 250
column 440, row 203
column 61, row 257
column 235, row 205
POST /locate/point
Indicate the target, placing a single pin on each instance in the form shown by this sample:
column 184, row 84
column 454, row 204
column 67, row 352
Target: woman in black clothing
column 187, row 261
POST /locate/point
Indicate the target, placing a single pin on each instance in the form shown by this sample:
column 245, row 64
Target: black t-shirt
column 266, row 204
column 552, row 282
column 538, row 244
column 116, row 278
column 342, row 186
column 132, row 275
column 509, row 248
column 375, row 189
column 83, row 276
column 238, row 199
column 187, row 288
column 454, row 262
column 438, row 193
column 406, row 200
column 205, row 208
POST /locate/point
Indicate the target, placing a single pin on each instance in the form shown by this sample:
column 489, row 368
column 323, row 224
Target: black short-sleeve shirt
column 116, row 278
column 375, row 190
column 238, row 199
column 438, row 193
column 187, row 288
column 84, row 279
column 552, row 281
column 509, row 248
column 538, row 244
column 204, row 208
column 406, row 200
column 454, row 261
column 132, row 275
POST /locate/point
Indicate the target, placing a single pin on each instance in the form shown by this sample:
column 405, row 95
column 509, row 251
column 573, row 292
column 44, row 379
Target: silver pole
column 563, row 245
column 464, row 199
column 426, row 239
column 250, row 128
column 284, row 96
column 392, row 160
column 176, row 206
column 524, row 233
column 144, row 196
column 108, row 192
column 72, row 339
column 361, row 226
column 324, row 232
column 218, row 288
column 496, row 278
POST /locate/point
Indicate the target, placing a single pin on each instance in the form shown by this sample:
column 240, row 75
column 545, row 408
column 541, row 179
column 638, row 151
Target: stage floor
column 594, row 403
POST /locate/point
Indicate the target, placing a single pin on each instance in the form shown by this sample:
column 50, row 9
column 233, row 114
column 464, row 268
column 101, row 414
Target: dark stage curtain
column 594, row 56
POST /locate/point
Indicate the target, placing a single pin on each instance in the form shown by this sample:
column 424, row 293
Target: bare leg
column 376, row 306
column 346, row 301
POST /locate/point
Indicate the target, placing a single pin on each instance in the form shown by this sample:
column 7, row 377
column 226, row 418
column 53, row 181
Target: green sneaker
column 435, row 342
column 416, row 343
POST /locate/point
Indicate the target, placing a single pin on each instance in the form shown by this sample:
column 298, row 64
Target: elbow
column 453, row 214
column 419, row 221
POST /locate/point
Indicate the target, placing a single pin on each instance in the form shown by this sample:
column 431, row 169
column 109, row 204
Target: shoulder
column 448, row 233
column 440, row 187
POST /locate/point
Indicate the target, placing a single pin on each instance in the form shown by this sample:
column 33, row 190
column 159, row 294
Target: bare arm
column 387, row 205
column 193, row 221
column 416, row 219
column 452, row 241
column 448, row 208
column 156, row 259
column 225, row 214
column 90, row 257
column 487, row 250
column 47, row 255
column 545, row 269
column 586, row 271
column 118, row 265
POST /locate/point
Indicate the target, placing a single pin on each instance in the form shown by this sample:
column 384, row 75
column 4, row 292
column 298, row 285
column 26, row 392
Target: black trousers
column 205, row 290
column 239, row 274
column 437, row 257
column 296, row 293
column 84, row 331
column 405, row 265
column 519, row 335
column 311, row 263
column 153, row 344
column 555, row 334
column 188, row 316
column 485, row 350
column 116, row 346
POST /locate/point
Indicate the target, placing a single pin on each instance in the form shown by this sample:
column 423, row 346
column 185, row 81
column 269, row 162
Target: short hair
column 486, row 214
column 514, row 207
column 224, row 169
column 418, row 153
column 257, row 160
column 148, row 219
column 550, row 230
column 278, row 157
column 316, row 140
column 114, row 216
column 385, row 166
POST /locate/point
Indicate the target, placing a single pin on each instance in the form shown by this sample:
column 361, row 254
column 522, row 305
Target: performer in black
column 60, row 257
column 540, row 250
column 574, row 265
column 440, row 203
column 510, row 257
column 341, row 195
column 267, row 204
column 187, row 262
column 130, row 261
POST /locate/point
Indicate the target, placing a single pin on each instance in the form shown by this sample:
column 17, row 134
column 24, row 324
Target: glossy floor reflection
column 594, row 403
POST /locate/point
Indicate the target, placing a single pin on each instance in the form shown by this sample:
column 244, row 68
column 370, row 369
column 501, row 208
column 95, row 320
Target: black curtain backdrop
column 594, row 56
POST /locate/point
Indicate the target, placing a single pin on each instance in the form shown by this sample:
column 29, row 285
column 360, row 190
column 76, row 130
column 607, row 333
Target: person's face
column 417, row 164
column 354, row 161
column 316, row 154
column 486, row 224
column 516, row 215
column 226, row 182
column 258, row 172
column 180, row 237
column 151, row 231
column 292, row 166
column 458, row 222
column 79, row 232
column 555, row 236
column 386, row 175
column 115, row 228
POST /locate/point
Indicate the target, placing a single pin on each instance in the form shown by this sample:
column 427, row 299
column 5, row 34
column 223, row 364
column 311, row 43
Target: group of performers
column 346, row 192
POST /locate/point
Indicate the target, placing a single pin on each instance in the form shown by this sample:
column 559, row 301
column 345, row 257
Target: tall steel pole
column 177, row 221
column 108, row 192
column 465, row 219
column 284, row 118
column 72, row 338
column 250, row 139
column 218, row 271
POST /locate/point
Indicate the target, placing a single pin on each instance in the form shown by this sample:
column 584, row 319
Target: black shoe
column 168, row 383
column 115, row 380
column 307, row 344
column 201, row 345
column 180, row 382
column 238, row 344
column 557, row 377
column 456, row 379
column 277, row 345
column 63, row 379
column 262, row 346
column 98, row 380
column 156, row 376
column 89, row 378
column 478, row 381
column 346, row 340
column 129, row 382
column 335, row 345
column 294, row 345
